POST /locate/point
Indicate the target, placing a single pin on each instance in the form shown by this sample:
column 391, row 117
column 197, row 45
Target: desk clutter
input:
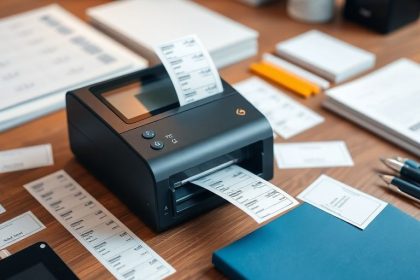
column 142, row 113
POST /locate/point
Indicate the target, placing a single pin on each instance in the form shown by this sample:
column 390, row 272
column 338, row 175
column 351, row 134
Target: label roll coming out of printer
column 133, row 135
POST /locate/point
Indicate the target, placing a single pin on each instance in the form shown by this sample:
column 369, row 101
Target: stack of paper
column 386, row 102
column 144, row 24
column 46, row 52
column 327, row 56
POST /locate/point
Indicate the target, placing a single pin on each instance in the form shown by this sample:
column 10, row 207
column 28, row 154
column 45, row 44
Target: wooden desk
column 189, row 247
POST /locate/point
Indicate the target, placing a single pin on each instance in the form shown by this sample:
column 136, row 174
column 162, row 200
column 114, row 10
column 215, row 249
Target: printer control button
column 148, row 134
column 157, row 145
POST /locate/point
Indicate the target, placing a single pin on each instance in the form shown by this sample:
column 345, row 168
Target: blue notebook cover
column 308, row 243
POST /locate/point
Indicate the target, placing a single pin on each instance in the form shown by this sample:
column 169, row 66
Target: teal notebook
column 308, row 243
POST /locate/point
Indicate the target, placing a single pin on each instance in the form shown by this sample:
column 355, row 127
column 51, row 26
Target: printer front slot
column 205, row 173
column 186, row 195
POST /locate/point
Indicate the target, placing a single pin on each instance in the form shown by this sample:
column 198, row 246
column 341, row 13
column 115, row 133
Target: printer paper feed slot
column 190, row 68
column 205, row 173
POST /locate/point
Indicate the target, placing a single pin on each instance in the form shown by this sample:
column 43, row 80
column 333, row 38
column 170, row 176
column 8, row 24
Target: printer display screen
column 141, row 99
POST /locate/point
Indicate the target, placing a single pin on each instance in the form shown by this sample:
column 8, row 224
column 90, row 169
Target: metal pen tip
column 393, row 164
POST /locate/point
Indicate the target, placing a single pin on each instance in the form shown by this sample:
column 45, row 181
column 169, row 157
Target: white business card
column 287, row 117
column 19, row 228
column 312, row 155
column 342, row 201
column 26, row 158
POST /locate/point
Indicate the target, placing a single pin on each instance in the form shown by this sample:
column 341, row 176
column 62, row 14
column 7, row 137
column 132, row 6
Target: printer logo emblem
column 240, row 112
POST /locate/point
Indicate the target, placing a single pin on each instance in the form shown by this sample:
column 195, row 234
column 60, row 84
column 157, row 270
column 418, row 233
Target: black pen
column 409, row 162
column 404, row 187
column 406, row 172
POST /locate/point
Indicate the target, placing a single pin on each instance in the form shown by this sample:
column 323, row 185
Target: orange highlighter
column 290, row 81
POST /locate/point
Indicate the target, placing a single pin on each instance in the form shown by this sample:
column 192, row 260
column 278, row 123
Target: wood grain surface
column 189, row 246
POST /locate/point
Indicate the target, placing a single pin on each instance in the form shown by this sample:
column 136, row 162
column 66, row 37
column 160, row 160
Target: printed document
column 386, row 101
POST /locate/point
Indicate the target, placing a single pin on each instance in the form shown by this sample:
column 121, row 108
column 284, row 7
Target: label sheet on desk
column 102, row 234
column 190, row 68
column 48, row 50
column 286, row 116
column 258, row 198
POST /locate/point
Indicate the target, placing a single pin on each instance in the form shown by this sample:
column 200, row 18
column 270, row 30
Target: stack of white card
column 48, row 51
column 143, row 24
column 325, row 55
column 386, row 102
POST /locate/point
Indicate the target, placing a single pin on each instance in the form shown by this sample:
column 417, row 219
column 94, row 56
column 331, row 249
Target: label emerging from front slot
column 255, row 196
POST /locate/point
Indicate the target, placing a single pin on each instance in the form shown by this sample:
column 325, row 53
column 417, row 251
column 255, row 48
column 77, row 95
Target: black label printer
column 131, row 133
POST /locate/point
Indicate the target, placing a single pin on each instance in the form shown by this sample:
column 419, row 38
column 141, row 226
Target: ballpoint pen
column 406, row 188
column 409, row 162
column 406, row 172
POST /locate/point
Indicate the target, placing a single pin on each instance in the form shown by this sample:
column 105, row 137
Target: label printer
column 131, row 133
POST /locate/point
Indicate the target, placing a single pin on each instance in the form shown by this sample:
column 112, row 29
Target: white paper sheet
column 190, row 68
column 26, row 158
column 19, row 228
column 389, row 98
column 100, row 232
column 312, row 154
column 286, row 116
column 48, row 50
column 343, row 201
column 260, row 199
column 2, row 210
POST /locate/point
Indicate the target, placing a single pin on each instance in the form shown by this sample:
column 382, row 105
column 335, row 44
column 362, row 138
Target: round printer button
column 157, row 145
column 148, row 134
